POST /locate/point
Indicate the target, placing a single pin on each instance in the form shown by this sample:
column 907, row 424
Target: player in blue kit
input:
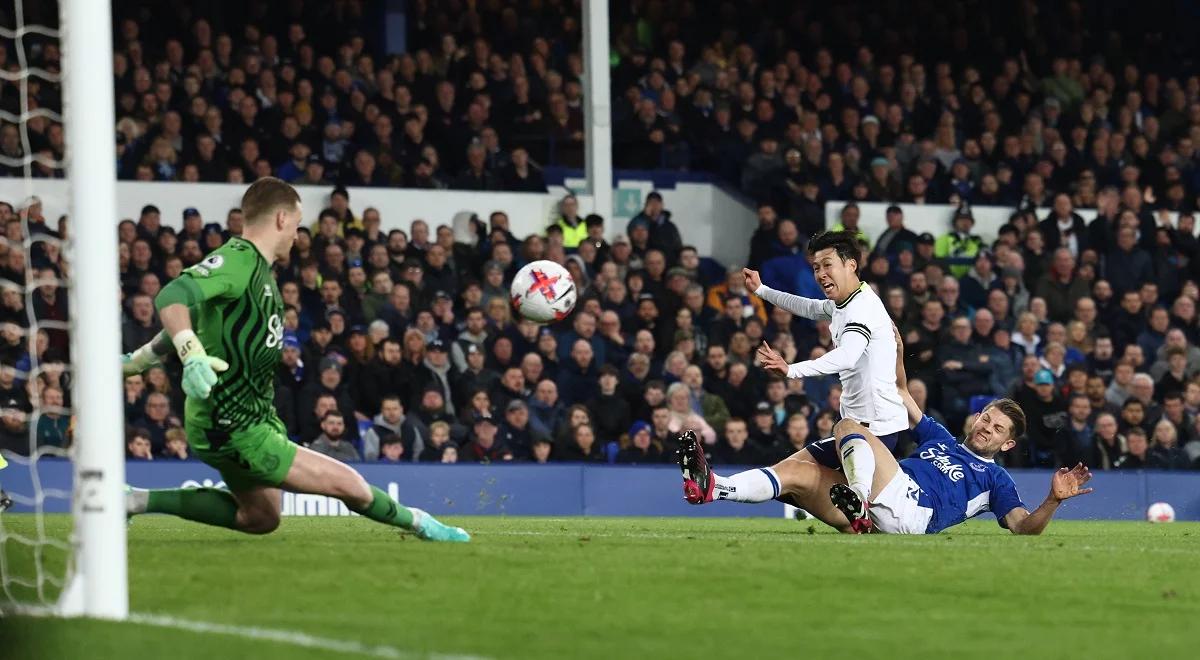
column 943, row 484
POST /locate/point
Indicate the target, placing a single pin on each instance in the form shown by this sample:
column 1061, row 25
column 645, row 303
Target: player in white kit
column 864, row 358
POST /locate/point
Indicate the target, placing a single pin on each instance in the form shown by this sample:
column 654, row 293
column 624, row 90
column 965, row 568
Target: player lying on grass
column 224, row 318
column 864, row 356
column 943, row 484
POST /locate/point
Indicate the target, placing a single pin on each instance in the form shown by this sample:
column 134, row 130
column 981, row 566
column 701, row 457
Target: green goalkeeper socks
column 210, row 506
column 385, row 510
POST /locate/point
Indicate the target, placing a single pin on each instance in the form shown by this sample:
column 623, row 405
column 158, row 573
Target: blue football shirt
column 955, row 482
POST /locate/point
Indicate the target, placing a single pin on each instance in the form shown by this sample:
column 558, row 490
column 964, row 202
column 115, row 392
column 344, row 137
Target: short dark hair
column 332, row 413
column 1012, row 410
column 265, row 196
column 844, row 243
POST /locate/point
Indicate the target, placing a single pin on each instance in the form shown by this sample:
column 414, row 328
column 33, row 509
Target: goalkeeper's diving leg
column 255, row 508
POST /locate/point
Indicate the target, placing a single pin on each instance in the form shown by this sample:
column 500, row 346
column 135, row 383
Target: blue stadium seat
column 980, row 401
column 610, row 451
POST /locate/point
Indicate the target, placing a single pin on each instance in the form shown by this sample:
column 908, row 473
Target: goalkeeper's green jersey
column 237, row 313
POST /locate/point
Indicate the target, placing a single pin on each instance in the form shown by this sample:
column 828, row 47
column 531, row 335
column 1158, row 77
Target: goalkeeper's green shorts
column 260, row 455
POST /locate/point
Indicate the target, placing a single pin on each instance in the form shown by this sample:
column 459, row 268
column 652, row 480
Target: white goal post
column 99, row 587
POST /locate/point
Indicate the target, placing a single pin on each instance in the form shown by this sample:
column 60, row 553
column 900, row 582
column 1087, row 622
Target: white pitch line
column 292, row 637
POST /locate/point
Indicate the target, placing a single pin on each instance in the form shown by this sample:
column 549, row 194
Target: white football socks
column 858, row 463
column 752, row 486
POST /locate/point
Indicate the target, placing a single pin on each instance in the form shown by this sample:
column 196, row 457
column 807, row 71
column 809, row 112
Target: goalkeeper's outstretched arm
column 148, row 355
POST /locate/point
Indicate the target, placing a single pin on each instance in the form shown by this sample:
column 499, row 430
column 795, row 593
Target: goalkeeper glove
column 199, row 369
column 139, row 361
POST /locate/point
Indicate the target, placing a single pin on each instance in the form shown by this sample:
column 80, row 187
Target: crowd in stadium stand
column 1092, row 326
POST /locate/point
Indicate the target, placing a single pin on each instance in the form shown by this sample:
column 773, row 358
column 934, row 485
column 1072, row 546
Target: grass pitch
column 638, row 588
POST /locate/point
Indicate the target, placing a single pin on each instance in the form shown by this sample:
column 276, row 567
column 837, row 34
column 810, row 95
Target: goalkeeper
column 223, row 317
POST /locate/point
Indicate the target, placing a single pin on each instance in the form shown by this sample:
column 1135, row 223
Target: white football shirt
column 864, row 357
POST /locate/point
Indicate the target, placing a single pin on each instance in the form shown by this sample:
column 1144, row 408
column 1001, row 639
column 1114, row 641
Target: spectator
column 959, row 247
column 484, row 446
column 638, row 446
column 896, row 237
column 1127, row 267
column 683, row 418
column 582, row 446
column 1047, row 414
column 1060, row 287
column 391, row 449
column 137, row 447
column 177, row 446
column 1135, row 456
column 966, row 369
column 392, row 422
column 53, row 426
column 735, row 447
column 664, row 235
column 611, row 410
column 332, row 440
column 577, row 378
column 1166, row 454
column 1107, row 444
column 439, row 441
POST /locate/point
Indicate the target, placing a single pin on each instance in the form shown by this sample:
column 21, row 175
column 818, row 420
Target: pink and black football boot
column 848, row 502
column 697, row 476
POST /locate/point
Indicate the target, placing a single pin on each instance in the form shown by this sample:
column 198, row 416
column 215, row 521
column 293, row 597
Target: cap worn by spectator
column 358, row 330
column 870, row 119
column 637, row 427
column 314, row 159
column 442, row 295
column 189, row 212
column 474, row 348
column 436, row 345
column 678, row 271
column 212, row 228
column 926, row 239
column 290, row 341
column 762, row 408
column 484, row 419
column 1043, row 377
column 493, row 265
column 621, row 239
column 514, row 405
column 654, row 195
column 879, row 161
column 328, row 363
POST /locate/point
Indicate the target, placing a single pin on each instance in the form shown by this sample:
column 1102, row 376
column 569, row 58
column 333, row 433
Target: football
column 543, row 291
column 1160, row 512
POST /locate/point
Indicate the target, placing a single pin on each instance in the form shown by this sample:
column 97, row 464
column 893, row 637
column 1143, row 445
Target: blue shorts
column 825, row 451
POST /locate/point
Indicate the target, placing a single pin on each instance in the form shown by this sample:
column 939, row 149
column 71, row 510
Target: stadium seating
column 784, row 101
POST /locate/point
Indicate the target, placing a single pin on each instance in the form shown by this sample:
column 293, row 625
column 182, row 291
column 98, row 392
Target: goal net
column 62, row 539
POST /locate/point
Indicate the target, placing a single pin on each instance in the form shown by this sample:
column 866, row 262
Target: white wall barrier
column 933, row 218
column 714, row 221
